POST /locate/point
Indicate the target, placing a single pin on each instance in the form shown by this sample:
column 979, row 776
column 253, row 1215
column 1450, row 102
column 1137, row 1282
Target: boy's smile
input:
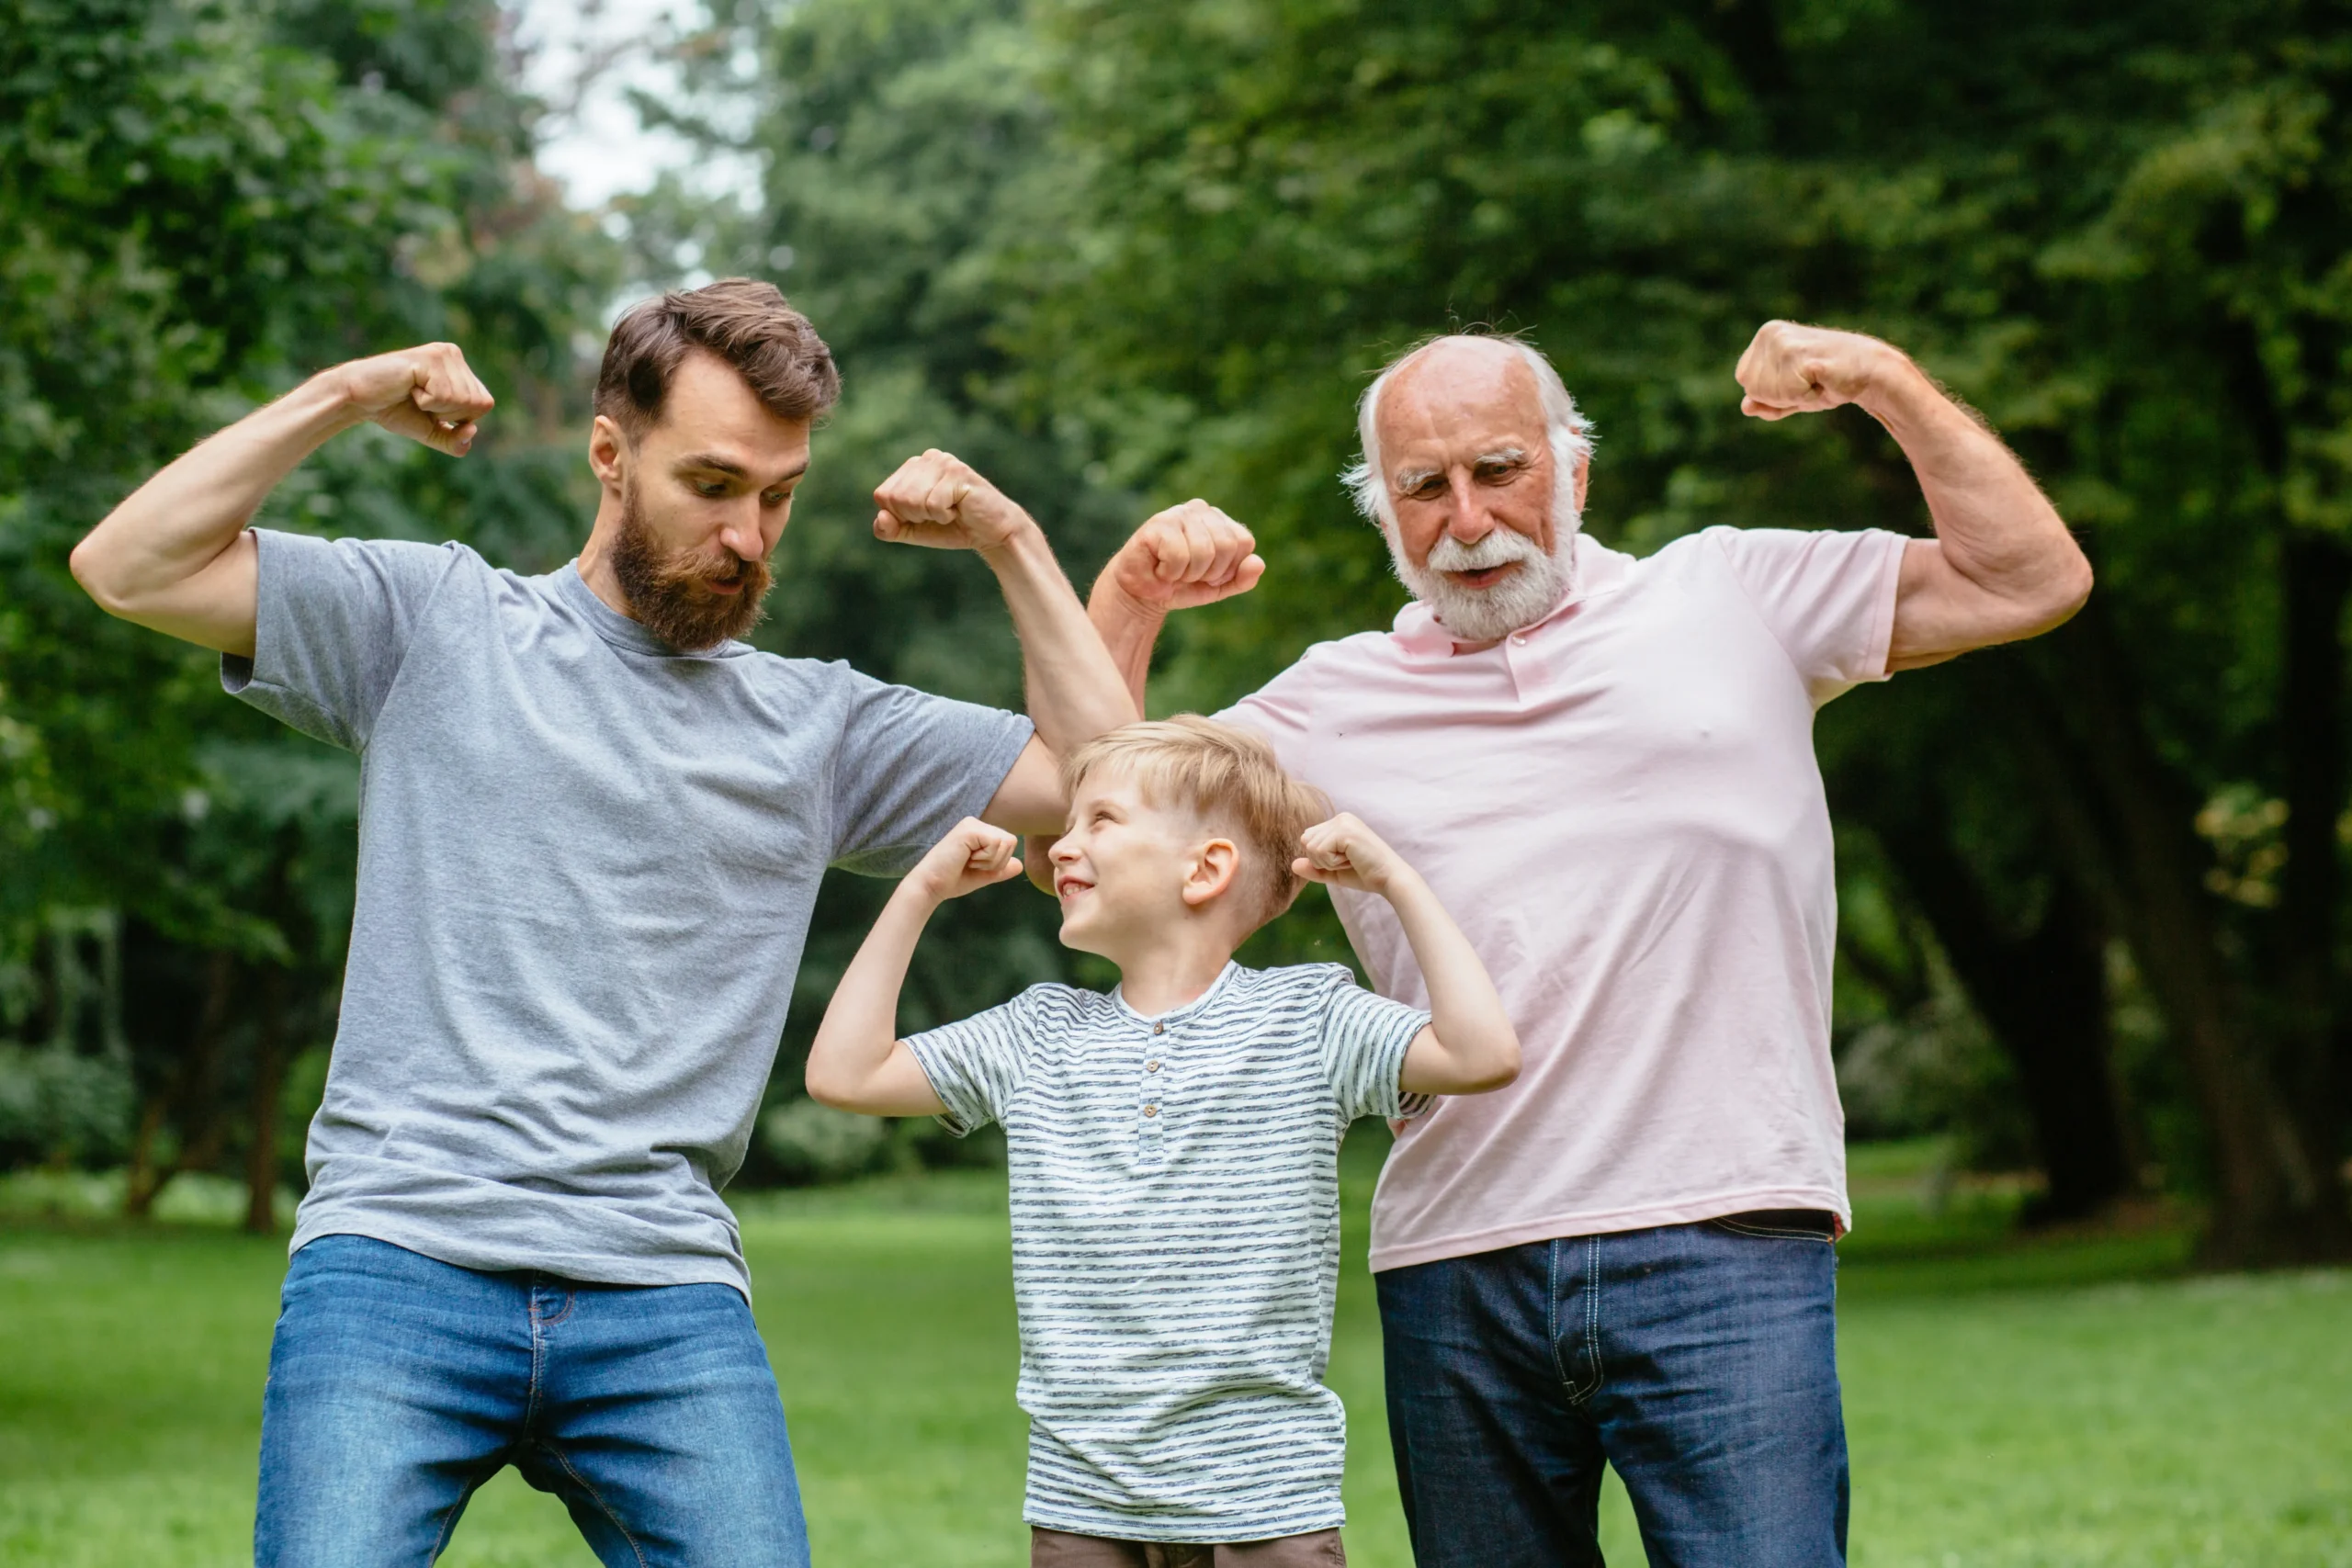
column 1121, row 870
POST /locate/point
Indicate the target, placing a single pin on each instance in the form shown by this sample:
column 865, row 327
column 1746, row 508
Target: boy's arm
column 1469, row 1046
column 858, row 1062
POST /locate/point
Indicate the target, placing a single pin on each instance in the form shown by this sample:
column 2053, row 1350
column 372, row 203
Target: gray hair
column 1569, row 433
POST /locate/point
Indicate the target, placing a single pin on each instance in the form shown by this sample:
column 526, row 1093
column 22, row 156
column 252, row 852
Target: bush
column 59, row 1105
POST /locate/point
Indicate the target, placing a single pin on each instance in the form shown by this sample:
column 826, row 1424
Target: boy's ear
column 1211, row 871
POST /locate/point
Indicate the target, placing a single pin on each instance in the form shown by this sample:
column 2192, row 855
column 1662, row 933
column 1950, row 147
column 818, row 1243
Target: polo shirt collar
column 1598, row 570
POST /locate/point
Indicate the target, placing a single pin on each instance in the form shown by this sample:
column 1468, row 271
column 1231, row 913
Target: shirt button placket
column 1147, row 1134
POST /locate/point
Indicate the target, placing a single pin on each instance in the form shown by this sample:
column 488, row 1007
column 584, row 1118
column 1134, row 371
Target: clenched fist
column 1346, row 852
column 428, row 393
column 1189, row 555
column 972, row 856
column 1790, row 368
column 940, row 502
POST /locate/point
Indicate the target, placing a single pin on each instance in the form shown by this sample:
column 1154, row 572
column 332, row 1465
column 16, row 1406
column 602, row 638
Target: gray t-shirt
column 586, row 867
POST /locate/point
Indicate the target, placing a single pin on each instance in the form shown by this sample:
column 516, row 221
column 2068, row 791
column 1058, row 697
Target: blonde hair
column 1229, row 776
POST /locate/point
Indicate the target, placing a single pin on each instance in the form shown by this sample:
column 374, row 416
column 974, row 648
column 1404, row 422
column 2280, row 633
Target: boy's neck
column 1173, row 972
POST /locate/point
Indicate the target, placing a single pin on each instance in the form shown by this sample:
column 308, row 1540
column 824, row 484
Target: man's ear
column 1584, row 475
column 608, row 453
column 1211, row 871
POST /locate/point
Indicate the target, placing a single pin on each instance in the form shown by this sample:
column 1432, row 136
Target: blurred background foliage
column 1120, row 253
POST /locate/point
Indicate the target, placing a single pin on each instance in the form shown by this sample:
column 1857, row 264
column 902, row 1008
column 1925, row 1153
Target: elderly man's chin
column 1520, row 597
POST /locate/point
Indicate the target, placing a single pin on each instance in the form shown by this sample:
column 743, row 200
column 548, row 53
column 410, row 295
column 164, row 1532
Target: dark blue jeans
column 398, row 1384
column 1699, row 1360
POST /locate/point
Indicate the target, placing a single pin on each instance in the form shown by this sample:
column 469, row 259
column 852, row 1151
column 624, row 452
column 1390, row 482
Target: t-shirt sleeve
column 910, row 767
column 1365, row 1041
column 975, row 1065
column 1279, row 711
column 333, row 621
column 1829, row 597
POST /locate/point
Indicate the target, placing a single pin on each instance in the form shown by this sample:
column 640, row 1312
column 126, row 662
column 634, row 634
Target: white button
column 1519, row 638
column 1151, row 1066
column 1151, row 1111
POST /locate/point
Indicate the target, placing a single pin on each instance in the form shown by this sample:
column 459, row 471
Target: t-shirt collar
column 1119, row 994
column 1598, row 570
column 619, row 629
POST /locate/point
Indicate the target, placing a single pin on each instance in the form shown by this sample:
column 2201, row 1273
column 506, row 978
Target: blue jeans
column 1699, row 1360
column 397, row 1385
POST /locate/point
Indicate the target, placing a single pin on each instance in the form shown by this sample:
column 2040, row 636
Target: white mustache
column 1500, row 548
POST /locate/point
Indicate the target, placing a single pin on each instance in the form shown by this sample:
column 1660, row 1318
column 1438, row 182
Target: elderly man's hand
column 1790, row 368
column 1189, row 555
column 940, row 502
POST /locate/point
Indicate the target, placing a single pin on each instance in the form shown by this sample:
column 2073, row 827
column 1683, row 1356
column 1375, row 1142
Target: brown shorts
column 1056, row 1549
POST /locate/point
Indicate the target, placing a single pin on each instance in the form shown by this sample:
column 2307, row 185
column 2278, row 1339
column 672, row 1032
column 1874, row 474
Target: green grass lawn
column 2070, row 1400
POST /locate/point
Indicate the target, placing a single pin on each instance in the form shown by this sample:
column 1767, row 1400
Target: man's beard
column 667, row 591
column 1522, row 599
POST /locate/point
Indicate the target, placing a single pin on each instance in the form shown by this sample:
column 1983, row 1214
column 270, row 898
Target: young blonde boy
column 1173, row 1144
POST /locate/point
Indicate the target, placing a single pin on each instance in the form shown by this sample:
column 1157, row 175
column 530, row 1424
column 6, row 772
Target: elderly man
column 1605, row 767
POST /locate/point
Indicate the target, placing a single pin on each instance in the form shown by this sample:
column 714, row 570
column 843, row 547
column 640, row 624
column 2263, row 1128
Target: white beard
column 1489, row 615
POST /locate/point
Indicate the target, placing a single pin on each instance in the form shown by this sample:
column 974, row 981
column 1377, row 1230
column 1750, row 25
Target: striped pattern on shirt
column 1176, row 1239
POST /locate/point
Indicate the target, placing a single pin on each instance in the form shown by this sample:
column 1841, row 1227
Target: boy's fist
column 1189, row 555
column 972, row 856
column 940, row 502
column 1345, row 853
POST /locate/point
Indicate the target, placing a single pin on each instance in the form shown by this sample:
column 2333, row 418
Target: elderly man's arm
column 2001, row 566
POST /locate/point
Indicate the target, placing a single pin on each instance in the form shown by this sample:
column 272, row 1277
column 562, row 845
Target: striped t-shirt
column 1176, row 1239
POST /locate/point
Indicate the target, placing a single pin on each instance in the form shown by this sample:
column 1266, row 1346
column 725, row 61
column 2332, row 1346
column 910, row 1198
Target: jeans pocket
column 1781, row 1224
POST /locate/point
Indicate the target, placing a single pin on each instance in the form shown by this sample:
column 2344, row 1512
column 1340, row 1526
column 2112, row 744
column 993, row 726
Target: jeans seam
column 538, row 1360
column 1552, row 1315
column 1592, row 1311
column 598, row 1498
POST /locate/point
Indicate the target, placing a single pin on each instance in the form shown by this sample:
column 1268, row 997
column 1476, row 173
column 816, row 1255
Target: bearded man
column 592, row 829
column 1605, row 765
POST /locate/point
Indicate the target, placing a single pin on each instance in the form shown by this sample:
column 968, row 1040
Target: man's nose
column 740, row 534
column 1468, row 518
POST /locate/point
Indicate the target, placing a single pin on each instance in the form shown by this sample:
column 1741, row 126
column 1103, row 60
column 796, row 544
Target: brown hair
column 746, row 323
column 1228, row 775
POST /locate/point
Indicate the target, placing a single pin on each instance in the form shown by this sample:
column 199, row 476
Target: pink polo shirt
column 1622, row 808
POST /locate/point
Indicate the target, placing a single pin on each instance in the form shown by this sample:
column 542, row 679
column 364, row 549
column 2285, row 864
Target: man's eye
column 710, row 488
column 1495, row 473
column 775, row 498
column 1427, row 488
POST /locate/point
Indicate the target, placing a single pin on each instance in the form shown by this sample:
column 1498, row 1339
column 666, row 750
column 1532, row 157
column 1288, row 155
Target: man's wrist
column 1023, row 549
column 1894, row 385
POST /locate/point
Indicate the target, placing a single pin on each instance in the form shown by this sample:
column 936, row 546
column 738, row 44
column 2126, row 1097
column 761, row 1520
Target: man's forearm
column 1075, row 691
column 1127, row 633
column 178, row 523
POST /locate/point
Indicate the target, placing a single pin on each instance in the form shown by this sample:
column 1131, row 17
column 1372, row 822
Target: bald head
column 1453, row 382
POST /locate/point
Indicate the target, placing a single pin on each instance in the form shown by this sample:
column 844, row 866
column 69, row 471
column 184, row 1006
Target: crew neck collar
column 1119, row 994
column 620, row 631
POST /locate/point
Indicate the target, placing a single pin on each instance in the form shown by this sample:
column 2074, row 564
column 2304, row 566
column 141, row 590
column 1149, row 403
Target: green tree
column 200, row 203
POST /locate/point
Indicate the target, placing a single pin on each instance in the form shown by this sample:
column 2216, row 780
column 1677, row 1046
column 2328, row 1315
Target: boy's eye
column 710, row 488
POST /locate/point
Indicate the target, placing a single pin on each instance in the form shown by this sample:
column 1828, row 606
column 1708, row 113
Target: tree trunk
column 269, row 1079
column 2044, row 995
column 2124, row 819
column 187, row 1096
column 2317, row 573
